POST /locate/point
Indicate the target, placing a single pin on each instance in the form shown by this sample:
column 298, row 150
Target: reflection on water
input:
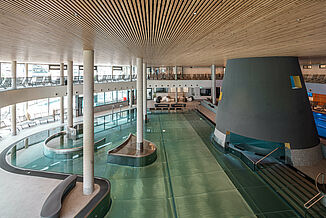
column 28, row 153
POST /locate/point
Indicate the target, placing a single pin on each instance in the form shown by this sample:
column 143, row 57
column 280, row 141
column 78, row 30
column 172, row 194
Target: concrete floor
column 75, row 201
column 23, row 196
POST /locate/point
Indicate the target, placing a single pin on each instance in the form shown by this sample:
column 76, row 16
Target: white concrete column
column 13, row 107
column 145, row 92
column 139, row 63
column 26, row 70
column 112, row 73
column 14, row 74
column 88, row 116
column 213, row 90
column 13, row 120
column 176, row 72
column 62, row 83
column 26, row 82
column 131, row 96
column 70, row 94
column 176, row 77
column 0, row 108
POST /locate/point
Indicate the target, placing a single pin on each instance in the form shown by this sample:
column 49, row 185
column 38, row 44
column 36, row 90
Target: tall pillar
column 26, row 82
column 139, row 63
column 62, row 83
column 88, row 116
column 13, row 107
column 131, row 96
column 26, row 70
column 176, row 88
column 70, row 94
column 13, row 120
column 145, row 92
column 176, row 72
column 112, row 73
column 213, row 91
column 0, row 108
column 14, row 74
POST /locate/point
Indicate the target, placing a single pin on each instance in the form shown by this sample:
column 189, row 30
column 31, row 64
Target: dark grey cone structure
column 260, row 101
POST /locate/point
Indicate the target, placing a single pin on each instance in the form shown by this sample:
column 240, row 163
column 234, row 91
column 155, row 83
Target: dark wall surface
column 258, row 102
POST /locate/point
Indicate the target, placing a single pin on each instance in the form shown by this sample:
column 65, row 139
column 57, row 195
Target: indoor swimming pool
column 190, row 177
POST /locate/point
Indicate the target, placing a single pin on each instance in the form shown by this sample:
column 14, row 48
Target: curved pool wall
column 261, row 101
column 98, row 206
column 126, row 154
column 66, row 148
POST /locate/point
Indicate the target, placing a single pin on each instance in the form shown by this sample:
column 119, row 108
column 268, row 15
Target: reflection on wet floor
column 190, row 178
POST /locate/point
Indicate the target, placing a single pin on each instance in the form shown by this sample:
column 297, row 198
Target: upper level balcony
column 40, row 81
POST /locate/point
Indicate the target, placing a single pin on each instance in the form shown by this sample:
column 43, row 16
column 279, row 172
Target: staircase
column 293, row 187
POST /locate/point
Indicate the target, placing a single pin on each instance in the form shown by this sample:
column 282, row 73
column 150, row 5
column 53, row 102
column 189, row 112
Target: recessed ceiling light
column 76, row 15
column 298, row 20
column 195, row 13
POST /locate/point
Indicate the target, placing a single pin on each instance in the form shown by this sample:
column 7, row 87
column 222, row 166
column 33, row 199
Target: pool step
column 293, row 187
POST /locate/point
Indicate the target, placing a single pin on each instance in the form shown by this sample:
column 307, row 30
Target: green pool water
column 190, row 178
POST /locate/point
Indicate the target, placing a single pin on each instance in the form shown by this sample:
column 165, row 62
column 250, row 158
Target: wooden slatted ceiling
column 163, row 32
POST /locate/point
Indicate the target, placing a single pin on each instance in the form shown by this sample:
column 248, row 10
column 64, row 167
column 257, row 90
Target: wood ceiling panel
column 163, row 32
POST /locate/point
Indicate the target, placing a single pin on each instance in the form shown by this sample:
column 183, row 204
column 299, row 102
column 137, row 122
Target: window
column 307, row 66
column 322, row 66
column 295, row 82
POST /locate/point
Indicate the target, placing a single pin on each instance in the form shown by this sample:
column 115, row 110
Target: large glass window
column 38, row 70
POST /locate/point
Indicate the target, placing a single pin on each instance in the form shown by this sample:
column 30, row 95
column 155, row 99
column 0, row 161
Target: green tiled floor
column 259, row 196
column 190, row 178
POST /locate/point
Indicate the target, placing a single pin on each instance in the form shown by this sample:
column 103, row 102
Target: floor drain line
column 168, row 171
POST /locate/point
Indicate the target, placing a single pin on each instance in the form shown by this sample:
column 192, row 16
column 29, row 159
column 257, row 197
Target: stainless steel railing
column 320, row 195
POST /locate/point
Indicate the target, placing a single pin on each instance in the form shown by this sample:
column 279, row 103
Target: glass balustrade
column 37, row 81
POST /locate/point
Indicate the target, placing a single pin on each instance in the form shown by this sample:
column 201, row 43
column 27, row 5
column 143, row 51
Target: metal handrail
column 266, row 156
column 320, row 193
column 321, row 197
column 316, row 180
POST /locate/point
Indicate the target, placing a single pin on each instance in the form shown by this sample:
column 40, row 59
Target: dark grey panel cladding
column 258, row 101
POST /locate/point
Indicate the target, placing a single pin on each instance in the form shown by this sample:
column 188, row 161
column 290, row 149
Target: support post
column 176, row 72
column 70, row 95
column 131, row 96
column 26, row 73
column 26, row 83
column 176, row 88
column 13, row 120
column 14, row 74
column 145, row 92
column 213, row 91
column 88, row 128
column 62, row 83
column 139, row 62
column 13, row 107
